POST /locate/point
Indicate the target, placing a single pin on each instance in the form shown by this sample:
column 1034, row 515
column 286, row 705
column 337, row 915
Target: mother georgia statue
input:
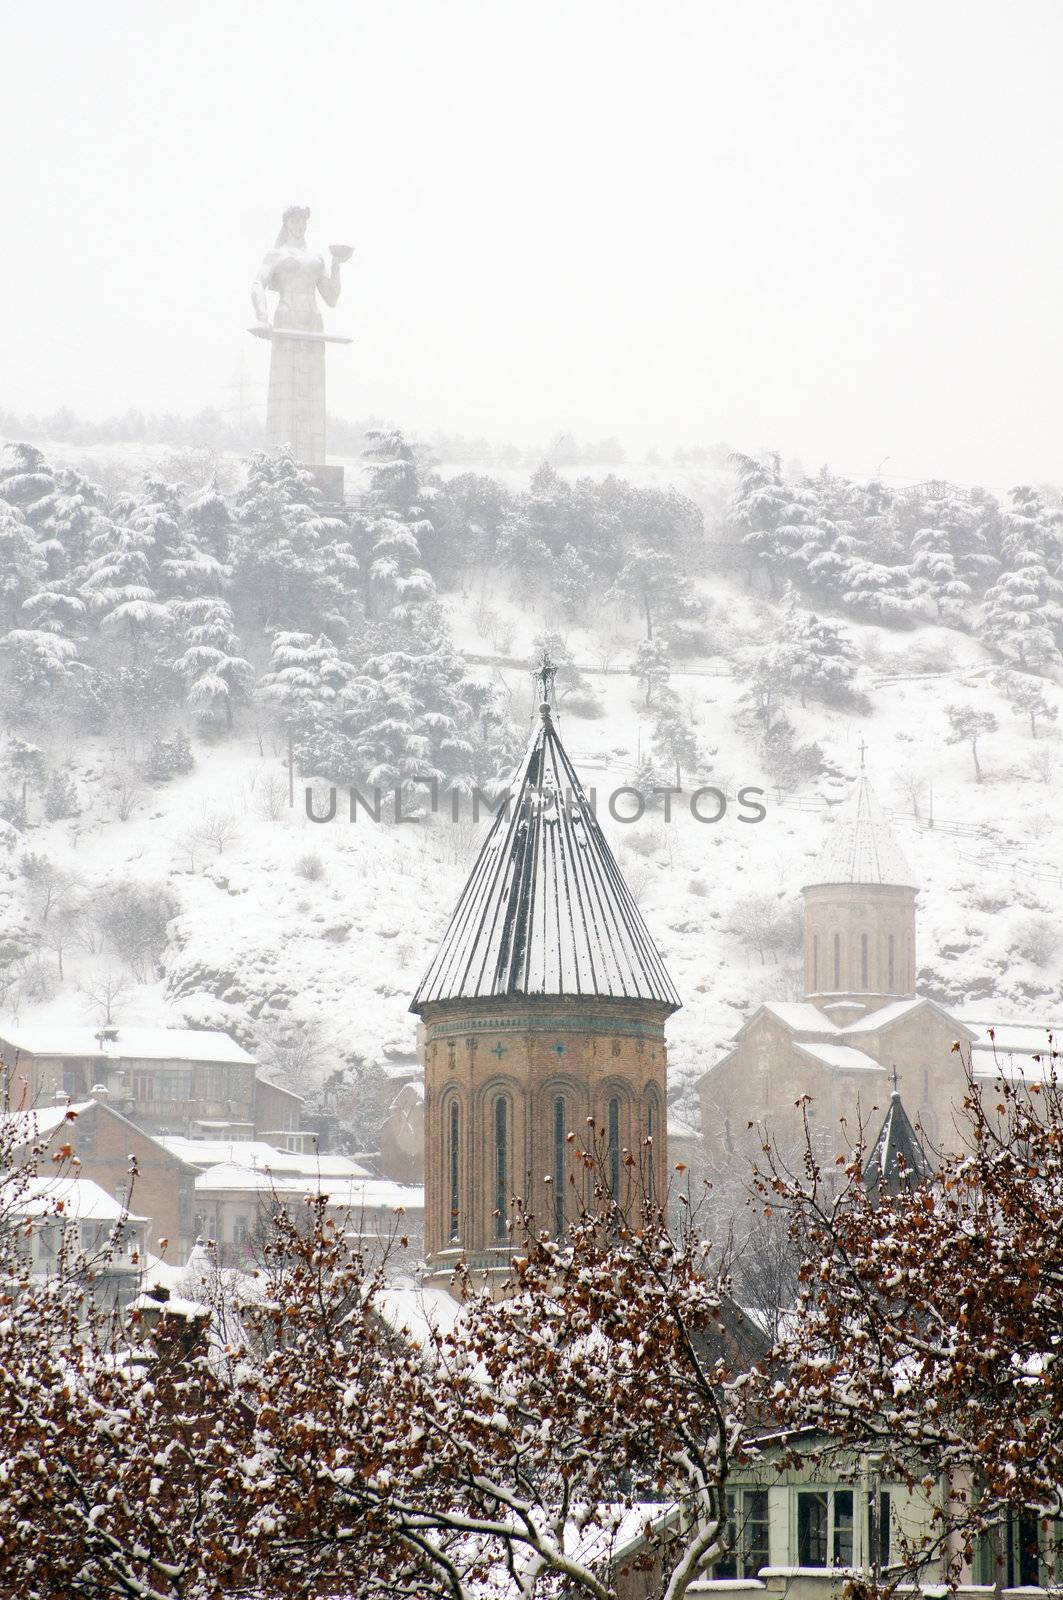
column 295, row 411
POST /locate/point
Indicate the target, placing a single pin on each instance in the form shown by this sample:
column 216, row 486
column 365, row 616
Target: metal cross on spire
column 862, row 747
column 895, row 1078
column 544, row 676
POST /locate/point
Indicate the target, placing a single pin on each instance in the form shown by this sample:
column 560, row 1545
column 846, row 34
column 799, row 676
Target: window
column 837, row 961
column 1008, row 1556
column 501, row 1165
column 863, row 960
column 560, row 1164
column 825, row 1528
column 891, row 980
column 878, row 1529
column 175, row 1083
column 842, row 1543
column 453, row 1156
column 614, row 1148
column 240, row 1231
column 812, row 1529
column 143, row 1086
column 652, row 1121
column 747, row 1535
column 73, row 1080
column 815, row 963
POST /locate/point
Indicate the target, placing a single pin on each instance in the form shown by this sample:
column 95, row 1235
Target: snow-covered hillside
column 280, row 918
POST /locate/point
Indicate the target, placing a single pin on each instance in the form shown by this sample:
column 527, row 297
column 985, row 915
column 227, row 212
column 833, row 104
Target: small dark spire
column 897, row 1160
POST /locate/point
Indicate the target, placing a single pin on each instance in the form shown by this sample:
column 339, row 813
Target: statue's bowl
column 342, row 252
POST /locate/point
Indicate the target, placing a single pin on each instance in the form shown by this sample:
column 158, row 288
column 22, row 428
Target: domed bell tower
column 545, row 1005
column 859, row 913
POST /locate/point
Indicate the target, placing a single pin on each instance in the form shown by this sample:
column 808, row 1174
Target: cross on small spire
column 544, row 676
column 863, row 752
column 895, row 1078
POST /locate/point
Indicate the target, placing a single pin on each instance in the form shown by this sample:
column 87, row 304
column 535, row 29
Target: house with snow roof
column 69, row 1223
column 107, row 1145
column 167, row 1080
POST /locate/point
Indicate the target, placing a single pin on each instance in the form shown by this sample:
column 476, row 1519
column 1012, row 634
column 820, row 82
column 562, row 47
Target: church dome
column 860, row 847
column 545, row 911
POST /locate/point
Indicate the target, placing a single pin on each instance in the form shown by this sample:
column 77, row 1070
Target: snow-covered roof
column 81, row 1200
column 545, row 910
column 860, row 847
column 801, row 1016
column 129, row 1044
column 420, row 1308
column 252, row 1154
column 174, row 1305
column 842, row 1057
column 886, row 1015
column 41, row 1122
column 345, row 1194
column 882, row 1016
column 1025, row 1037
column 897, row 1142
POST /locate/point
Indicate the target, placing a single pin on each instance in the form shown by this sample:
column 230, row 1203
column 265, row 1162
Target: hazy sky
column 829, row 226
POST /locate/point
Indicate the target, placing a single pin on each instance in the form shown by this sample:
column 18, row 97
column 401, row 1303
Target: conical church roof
column 898, row 1160
column 861, row 847
column 545, row 910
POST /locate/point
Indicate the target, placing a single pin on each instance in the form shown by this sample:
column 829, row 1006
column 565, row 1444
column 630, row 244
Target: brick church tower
column 859, row 913
column 544, row 1005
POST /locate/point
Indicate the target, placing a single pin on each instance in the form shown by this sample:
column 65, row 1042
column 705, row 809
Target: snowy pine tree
column 393, row 528
column 768, row 517
column 22, row 564
column 950, row 558
column 674, row 739
column 811, row 656
column 292, row 563
column 216, row 675
column 1023, row 614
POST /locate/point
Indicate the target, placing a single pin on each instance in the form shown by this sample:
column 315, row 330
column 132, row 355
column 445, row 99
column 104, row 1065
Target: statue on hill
column 295, row 412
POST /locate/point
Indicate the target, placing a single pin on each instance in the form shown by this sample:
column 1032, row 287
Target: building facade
column 860, row 1021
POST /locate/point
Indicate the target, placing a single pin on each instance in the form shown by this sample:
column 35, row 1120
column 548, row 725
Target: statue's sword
column 299, row 333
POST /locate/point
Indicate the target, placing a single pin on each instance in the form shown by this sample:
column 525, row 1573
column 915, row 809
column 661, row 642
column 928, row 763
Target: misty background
column 832, row 229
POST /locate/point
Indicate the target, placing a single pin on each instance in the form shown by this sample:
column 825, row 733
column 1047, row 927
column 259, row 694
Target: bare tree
column 218, row 828
column 104, row 990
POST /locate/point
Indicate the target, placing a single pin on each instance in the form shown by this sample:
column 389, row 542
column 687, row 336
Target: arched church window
column 837, row 961
column 891, row 983
column 501, row 1164
column 614, row 1148
column 652, row 1128
column 453, row 1169
column 560, row 1164
column 863, row 960
column 815, row 963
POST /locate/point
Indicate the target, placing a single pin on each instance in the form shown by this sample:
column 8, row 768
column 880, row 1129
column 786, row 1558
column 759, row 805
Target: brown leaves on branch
column 930, row 1320
column 284, row 1438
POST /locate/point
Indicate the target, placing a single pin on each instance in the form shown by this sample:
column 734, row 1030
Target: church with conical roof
column 860, row 1021
column 543, row 1009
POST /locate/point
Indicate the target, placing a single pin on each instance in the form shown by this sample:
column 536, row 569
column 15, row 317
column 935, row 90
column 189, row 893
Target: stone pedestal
column 328, row 479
